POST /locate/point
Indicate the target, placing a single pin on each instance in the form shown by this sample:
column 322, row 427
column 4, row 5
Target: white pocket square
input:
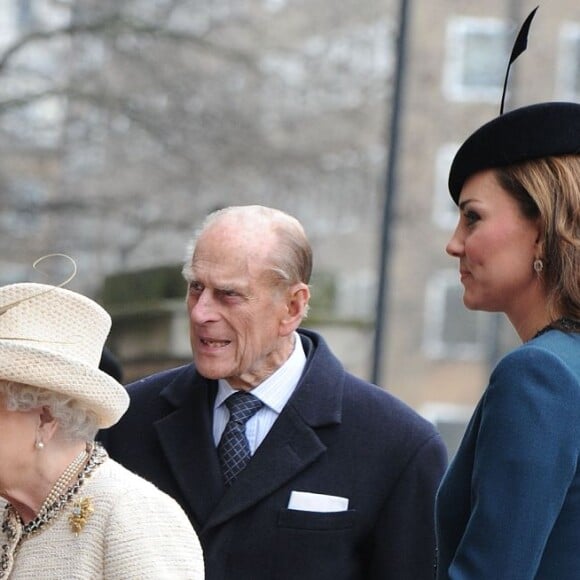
column 316, row 502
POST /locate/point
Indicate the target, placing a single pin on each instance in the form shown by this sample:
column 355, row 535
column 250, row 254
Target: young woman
column 509, row 505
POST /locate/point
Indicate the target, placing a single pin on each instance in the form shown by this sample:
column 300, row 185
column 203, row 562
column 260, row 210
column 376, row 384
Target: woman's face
column 18, row 431
column 496, row 246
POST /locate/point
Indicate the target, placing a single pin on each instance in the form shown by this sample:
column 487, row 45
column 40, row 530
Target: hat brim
column 532, row 132
column 90, row 386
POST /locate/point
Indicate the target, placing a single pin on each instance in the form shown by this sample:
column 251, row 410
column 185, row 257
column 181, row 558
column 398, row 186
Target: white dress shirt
column 274, row 392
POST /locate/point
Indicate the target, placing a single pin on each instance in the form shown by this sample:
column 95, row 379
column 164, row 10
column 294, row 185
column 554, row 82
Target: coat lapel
column 289, row 448
column 293, row 443
column 186, row 438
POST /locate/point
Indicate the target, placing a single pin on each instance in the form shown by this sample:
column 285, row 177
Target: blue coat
column 337, row 435
column 509, row 505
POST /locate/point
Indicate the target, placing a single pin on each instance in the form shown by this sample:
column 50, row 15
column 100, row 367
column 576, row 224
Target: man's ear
column 297, row 299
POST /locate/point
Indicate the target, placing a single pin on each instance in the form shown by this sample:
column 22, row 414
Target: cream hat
column 53, row 338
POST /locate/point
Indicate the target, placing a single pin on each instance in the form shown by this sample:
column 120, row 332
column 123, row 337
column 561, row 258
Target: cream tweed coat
column 135, row 532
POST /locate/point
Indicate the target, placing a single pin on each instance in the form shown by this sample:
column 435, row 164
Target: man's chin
column 208, row 370
column 209, row 374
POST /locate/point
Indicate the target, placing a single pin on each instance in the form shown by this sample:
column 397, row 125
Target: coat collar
column 318, row 397
column 185, row 435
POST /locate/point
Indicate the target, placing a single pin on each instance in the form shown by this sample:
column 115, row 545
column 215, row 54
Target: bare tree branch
column 116, row 25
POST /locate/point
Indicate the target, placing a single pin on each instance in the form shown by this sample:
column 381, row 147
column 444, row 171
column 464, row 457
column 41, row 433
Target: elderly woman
column 69, row 511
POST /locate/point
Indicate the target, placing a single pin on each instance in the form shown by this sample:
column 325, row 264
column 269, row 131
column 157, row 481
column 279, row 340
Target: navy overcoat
column 337, row 435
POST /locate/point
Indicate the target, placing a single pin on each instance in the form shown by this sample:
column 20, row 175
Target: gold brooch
column 81, row 512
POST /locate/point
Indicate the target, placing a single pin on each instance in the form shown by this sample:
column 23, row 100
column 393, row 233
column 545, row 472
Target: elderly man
column 289, row 467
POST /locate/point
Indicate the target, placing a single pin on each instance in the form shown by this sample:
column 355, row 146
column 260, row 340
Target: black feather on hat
column 531, row 132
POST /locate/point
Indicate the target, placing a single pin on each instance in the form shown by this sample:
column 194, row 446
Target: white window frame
column 444, row 214
column 434, row 345
column 568, row 62
column 458, row 30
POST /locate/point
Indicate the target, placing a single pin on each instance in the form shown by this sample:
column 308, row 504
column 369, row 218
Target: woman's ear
column 539, row 236
column 47, row 424
column 297, row 299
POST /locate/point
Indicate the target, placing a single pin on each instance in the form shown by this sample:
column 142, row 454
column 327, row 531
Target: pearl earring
column 538, row 265
column 39, row 444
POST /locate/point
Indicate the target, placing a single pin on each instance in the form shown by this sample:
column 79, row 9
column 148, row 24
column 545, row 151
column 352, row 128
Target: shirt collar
column 275, row 391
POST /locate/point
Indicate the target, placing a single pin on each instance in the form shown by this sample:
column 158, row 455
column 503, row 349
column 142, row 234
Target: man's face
column 236, row 314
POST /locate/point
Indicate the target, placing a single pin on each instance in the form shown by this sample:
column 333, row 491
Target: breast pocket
column 313, row 545
column 300, row 520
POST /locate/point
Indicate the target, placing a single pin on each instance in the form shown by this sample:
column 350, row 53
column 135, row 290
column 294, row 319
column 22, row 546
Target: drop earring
column 538, row 265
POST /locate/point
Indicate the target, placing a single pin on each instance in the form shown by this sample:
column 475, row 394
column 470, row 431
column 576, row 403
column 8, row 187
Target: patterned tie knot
column 242, row 406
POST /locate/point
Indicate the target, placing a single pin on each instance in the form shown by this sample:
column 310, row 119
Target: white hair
column 76, row 423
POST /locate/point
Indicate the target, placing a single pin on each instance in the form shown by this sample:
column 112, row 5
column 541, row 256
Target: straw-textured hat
column 53, row 338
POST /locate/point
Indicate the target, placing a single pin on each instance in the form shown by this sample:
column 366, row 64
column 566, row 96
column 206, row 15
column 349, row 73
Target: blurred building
column 438, row 354
column 123, row 123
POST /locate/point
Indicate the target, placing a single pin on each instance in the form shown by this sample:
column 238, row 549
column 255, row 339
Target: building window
column 356, row 296
column 344, row 296
column 477, row 56
column 444, row 209
column 568, row 79
column 451, row 331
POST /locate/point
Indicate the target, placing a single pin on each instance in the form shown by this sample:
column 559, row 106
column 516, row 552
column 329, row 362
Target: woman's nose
column 454, row 246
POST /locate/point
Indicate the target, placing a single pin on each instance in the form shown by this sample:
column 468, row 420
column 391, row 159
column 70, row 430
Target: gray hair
column 76, row 423
column 291, row 259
